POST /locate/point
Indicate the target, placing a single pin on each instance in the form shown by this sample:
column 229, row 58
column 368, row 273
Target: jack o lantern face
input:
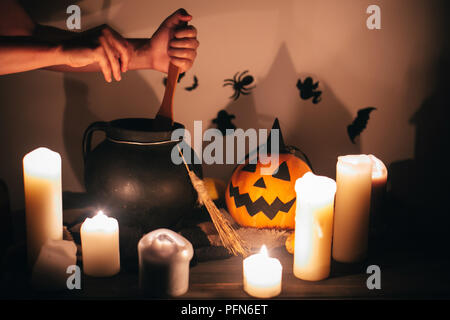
column 265, row 201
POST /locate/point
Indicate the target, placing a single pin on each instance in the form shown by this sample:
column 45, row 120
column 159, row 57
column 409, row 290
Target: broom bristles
column 229, row 237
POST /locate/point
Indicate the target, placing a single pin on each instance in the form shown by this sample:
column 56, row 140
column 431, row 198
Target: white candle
column 164, row 258
column 313, row 226
column 43, row 199
column 262, row 275
column 100, row 246
column 379, row 179
column 351, row 217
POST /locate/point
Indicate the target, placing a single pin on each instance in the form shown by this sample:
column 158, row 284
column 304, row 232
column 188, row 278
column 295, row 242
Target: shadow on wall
column 421, row 185
column 47, row 10
column 89, row 100
column 321, row 131
column 259, row 109
column 246, row 117
column 77, row 117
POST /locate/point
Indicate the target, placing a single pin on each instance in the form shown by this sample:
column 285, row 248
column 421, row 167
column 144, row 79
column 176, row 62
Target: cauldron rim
column 139, row 130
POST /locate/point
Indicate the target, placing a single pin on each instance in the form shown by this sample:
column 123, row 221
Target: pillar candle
column 313, row 226
column 100, row 246
column 262, row 275
column 351, row 216
column 379, row 179
column 164, row 258
column 43, row 199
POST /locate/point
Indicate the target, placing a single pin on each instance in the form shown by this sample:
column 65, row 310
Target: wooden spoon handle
column 164, row 117
column 166, row 109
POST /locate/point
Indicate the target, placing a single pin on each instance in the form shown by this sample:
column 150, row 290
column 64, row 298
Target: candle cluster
column 332, row 220
column 164, row 255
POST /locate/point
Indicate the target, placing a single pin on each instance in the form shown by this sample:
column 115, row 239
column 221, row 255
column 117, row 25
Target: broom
column 229, row 237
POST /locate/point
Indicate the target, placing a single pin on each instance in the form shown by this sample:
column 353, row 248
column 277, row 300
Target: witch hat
column 268, row 145
column 282, row 147
column 281, row 144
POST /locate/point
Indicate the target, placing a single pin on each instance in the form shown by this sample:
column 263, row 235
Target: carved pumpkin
column 265, row 201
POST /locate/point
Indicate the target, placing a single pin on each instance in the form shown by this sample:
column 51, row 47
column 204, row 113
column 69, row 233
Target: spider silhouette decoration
column 240, row 84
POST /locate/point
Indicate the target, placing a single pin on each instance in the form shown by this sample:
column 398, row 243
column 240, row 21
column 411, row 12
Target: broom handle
column 184, row 160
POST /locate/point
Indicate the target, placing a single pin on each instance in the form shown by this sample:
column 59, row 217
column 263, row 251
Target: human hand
column 174, row 42
column 101, row 45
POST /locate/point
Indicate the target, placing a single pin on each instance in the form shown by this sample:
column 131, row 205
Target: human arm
column 28, row 46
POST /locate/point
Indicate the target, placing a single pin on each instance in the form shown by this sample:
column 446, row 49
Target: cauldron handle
column 87, row 137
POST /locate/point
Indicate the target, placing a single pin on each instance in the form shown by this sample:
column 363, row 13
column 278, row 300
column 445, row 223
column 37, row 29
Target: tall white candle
column 100, row 246
column 379, row 180
column 313, row 226
column 351, row 216
column 164, row 258
column 43, row 199
column 262, row 275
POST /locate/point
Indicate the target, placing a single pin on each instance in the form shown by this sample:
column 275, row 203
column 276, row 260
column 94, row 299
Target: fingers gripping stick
column 164, row 117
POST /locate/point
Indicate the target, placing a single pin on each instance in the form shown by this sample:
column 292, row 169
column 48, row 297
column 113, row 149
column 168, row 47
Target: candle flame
column 263, row 251
column 100, row 213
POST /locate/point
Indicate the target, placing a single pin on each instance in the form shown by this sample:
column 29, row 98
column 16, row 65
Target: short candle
column 164, row 258
column 262, row 275
column 100, row 246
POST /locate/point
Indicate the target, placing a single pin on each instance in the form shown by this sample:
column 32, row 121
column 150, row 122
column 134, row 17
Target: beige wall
column 278, row 41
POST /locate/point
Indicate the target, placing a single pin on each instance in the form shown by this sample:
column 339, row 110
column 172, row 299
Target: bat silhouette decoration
column 359, row 124
column 194, row 85
column 179, row 78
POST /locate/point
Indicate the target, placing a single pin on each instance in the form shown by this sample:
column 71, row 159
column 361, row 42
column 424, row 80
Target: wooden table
column 414, row 263
column 402, row 276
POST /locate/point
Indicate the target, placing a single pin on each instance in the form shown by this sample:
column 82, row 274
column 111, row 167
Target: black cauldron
column 131, row 174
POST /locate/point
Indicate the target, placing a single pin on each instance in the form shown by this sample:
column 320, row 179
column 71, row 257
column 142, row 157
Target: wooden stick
column 229, row 237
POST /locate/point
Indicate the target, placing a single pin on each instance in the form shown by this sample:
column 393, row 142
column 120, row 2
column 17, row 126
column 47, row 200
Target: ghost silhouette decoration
column 308, row 89
column 223, row 121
